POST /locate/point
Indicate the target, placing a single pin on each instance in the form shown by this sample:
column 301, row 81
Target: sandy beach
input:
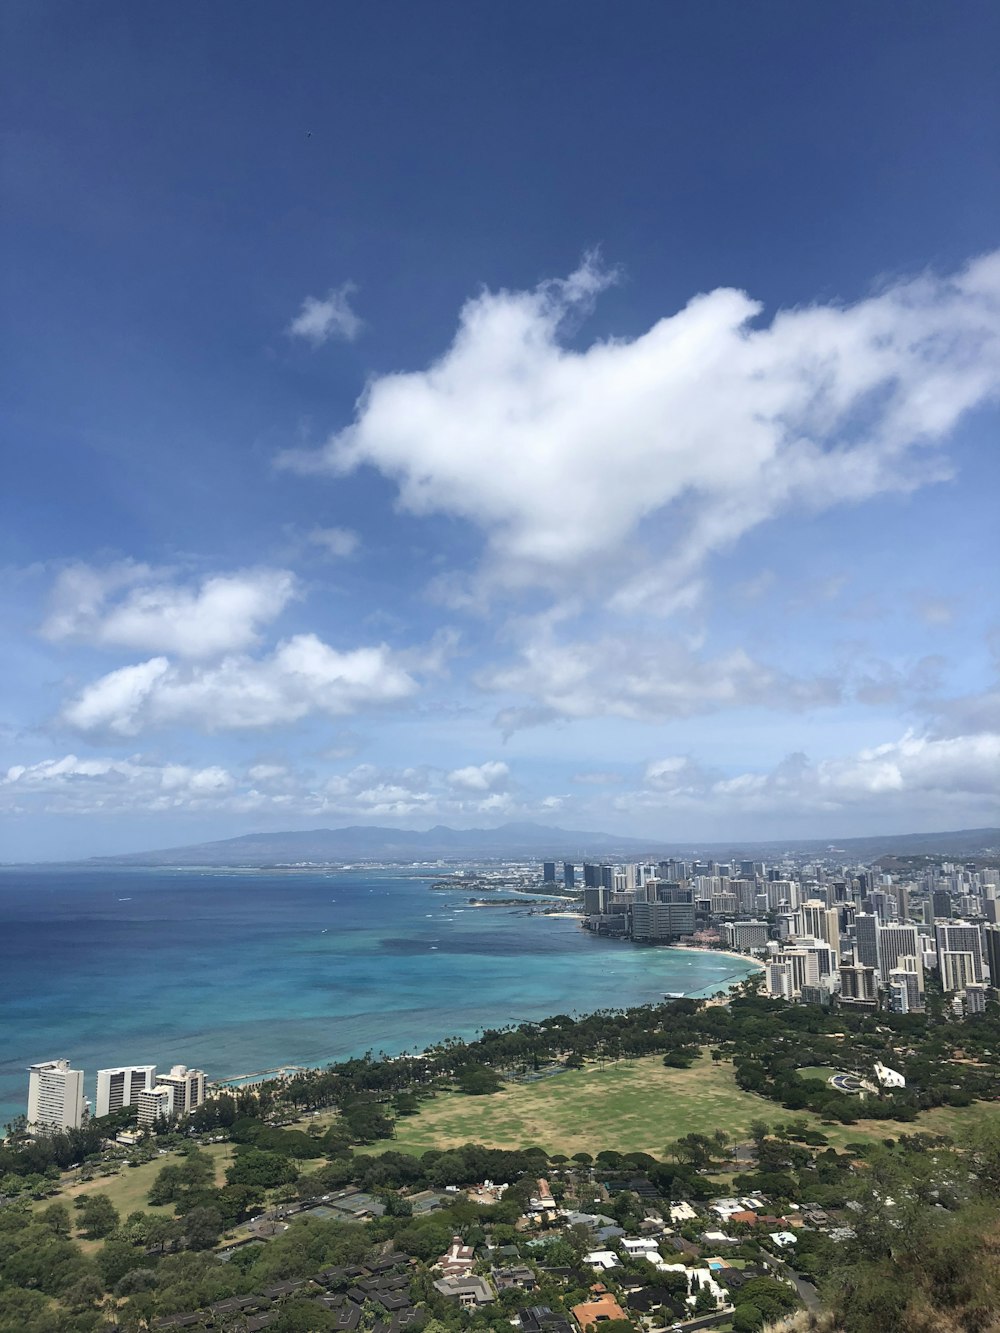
column 720, row 953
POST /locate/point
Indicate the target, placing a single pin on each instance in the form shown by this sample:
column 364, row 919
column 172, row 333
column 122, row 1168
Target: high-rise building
column 822, row 922
column 595, row 901
column 975, row 998
column 121, row 1087
column 548, row 872
column 55, row 1096
column 958, row 969
column 893, row 942
column 188, row 1087
column 858, row 983
column 591, row 876
column 154, row 1105
column 782, row 895
column 866, row 939
column 778, row 976
column 991, row 939
column 569, row 875
column 941, row 904
column 905, row 995
column 746, row 934
column 662, row 921
column 960, row 937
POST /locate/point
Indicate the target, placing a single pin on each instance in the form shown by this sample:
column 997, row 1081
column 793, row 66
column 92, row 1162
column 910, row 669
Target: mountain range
column 361, row 842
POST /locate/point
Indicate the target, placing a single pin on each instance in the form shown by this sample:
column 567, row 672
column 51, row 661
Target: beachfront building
column 188, row 1086
column 154, row 1105
column 55, row 1096
column 176, row 1093
column 662, row 921
column 743, row 935
column 121, row 1087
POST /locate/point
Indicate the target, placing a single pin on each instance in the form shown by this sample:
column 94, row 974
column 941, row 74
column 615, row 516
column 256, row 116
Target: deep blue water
column 234, row 971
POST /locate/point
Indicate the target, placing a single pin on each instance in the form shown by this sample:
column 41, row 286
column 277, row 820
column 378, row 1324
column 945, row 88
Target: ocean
column 235, row 971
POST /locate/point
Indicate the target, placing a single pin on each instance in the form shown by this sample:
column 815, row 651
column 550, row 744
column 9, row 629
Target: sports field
column 631, row 1106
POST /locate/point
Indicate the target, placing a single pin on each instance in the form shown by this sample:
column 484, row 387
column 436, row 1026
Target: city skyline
column 527, row 421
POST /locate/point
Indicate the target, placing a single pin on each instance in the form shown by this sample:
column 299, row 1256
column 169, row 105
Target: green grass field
column 128, row 1189
column 821, row 1072
column 631, row 1106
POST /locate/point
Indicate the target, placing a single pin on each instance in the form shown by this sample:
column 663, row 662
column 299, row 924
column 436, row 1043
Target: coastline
column 311, row 969
column 719, row 953
column 726, row 984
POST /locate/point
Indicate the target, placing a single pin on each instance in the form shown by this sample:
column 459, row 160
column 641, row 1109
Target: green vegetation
column 624, row 1108
column 823, row 1072
column 630, row 1106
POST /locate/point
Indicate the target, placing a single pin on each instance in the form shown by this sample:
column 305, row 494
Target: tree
column 98, row 1216
column 301, row 1316
column 759, row 1131
column 202, row 1228
column 478, row 1081
column 116, row 1259
column 747, row 1318
column 56, row 1217
column 704, row 1301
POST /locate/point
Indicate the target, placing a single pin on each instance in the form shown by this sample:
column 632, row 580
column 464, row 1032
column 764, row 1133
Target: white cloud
column 492, row 776
column 132, row 606
column 106, row 786
column 319, row 320
column 907, row 777
column 110, row 786
column 613, row 676
column 337, row 542
column 711, row 421
column 303, row 675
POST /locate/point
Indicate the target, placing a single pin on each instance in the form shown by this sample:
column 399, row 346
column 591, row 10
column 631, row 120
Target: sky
column 466, row 412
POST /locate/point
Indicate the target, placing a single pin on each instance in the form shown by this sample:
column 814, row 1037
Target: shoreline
column 725, row 984
column 719, row 953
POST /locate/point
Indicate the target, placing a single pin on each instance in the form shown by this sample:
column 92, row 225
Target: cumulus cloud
column 303, row 675
column 420, row 795
column 109, row 786
column 337, row 542
column 612, row 676
column 321, row 319
column 712, row 421
column 910, row 776
column 492, row 776
column 129, row 605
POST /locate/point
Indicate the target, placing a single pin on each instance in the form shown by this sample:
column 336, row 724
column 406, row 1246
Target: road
column 807, row 1293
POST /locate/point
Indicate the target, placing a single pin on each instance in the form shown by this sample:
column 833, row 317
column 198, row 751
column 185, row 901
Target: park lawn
column 128, row 1189
column 630, row 1106
column 821, row 1072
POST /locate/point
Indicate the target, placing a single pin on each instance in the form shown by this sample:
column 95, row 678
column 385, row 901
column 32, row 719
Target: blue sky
column 463, row 412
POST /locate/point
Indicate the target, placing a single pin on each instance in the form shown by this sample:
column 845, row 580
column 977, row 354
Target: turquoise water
column 237, row 971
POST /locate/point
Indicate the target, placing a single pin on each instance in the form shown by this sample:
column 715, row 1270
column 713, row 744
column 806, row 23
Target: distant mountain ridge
column 361, row 842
